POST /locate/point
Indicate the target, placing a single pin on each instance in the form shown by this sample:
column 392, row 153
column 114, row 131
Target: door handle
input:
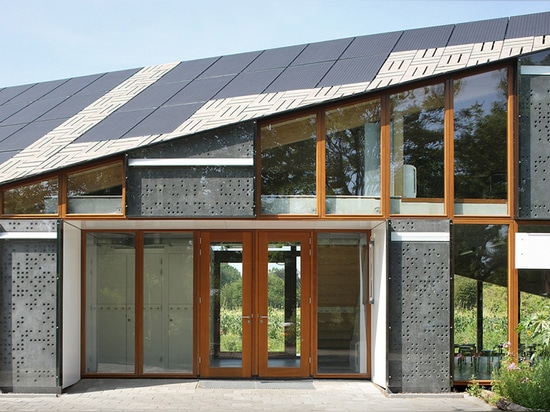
column 262, row 317
column 248, row 317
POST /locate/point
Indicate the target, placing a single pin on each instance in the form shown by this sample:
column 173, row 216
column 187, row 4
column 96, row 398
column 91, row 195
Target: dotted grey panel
column 534, row 146
column 419, row 311
column 209, row 191
column 29, row 326
column 192, row 192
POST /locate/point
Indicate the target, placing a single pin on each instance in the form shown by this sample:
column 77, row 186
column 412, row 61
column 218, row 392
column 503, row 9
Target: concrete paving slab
column 235, row 395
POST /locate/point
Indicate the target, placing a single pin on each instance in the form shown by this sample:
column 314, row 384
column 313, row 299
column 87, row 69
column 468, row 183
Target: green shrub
column 528, row 382
column 524, row 383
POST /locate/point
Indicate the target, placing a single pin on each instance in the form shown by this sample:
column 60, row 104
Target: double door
column 255, row 304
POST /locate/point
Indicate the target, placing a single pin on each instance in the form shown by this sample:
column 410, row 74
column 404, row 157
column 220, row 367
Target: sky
column 44, row 40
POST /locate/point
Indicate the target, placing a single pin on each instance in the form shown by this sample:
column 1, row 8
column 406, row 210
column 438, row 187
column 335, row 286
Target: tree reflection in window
column 353, row 158
column 480, row 136
column 288, row 158
column 34, row 198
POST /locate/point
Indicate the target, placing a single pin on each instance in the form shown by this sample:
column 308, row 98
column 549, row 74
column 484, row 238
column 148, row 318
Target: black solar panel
column 114, row 126
column 154, row 96
column 428, row 38
column 10, row 92
column 300, row 77
column 72, row 86
column 108, row 81
column 187, row 70
column 200, row 90
column 248, row 83
column 28, row 135
column 71, row 106
column 529, row 25
column 6, row 131
column 232, row 64
column 33, row 111
column 479, row 32
column 373, row 45
column 322, row 52
column 363, row 69
column 8, row 110
column 37, row 91
column 164, row 120
column 275, row 58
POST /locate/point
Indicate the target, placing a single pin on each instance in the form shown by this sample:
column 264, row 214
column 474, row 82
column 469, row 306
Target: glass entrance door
column 226, row 306
column 255, row 318
column 284, row 302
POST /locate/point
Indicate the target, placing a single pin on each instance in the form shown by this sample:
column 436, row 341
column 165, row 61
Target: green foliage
column 465, row 293
column 474, row 388
column 537, row 327
column 525, row 384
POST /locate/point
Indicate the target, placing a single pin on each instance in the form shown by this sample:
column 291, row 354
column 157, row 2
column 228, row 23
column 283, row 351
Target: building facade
column 373, row 207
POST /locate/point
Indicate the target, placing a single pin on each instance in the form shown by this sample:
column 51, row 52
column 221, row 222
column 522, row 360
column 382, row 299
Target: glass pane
column 289, row 167
column 480, row 119
column 283, row 306
column 96, row 191
column 226, row 304
column 534, row 301
column 35, row 198
column 534, row 297
column 480, row 299
column 341, row 300
column 168, row 303
column 417, row 156
column 353, row 159
column 110, row 302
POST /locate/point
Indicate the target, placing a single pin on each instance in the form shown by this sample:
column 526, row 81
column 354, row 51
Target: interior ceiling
column 57, row 124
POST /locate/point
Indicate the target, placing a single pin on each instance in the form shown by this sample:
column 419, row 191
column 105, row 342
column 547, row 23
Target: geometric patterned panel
column 29, row 327
column 419, row 308
column 534, row 143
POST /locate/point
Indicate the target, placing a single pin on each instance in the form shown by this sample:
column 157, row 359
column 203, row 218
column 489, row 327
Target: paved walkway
column 221, row 396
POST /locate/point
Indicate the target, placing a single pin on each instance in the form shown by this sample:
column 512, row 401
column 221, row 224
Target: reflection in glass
column 226, row 304
column 288, row 157
column 480, row 152
column 168, row 303
column 34, row 198
column 96, row 190
column 480, row 299
column 417, row 156
column 110, row 303
column 353, row 159
column 534, row 299
column 341, row 300
column 283, row 306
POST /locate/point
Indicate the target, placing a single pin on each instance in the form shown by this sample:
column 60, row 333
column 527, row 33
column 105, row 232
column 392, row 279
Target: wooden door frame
column 306, row 302
column 205, row 237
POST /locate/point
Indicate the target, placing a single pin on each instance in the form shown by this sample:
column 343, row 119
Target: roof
column 52, row 125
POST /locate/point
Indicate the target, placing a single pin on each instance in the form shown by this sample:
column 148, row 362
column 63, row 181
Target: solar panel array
column 178, row 101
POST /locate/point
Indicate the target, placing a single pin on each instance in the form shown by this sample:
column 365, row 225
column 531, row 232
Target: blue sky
column 55, row 39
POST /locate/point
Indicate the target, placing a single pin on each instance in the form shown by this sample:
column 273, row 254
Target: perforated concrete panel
column 419, row 306
column 196, row 189
column 534, row 138
column 29, row 325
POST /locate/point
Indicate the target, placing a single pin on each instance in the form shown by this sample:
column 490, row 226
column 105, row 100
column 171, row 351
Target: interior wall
column 378, row 308
column 71, row 305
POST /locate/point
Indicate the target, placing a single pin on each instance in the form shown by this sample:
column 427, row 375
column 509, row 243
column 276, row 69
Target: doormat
column 245, row 384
